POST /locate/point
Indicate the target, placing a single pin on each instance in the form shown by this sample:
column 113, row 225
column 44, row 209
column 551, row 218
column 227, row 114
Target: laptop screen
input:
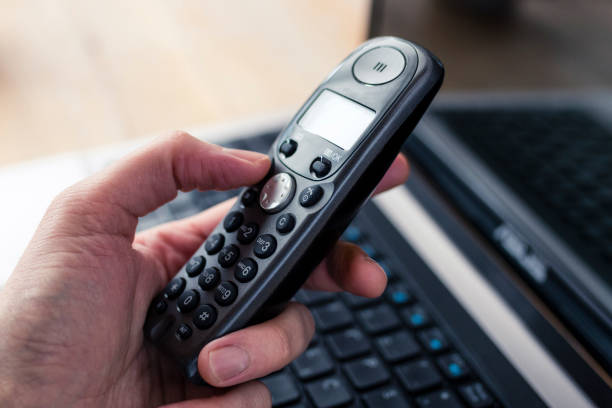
column 550, row 152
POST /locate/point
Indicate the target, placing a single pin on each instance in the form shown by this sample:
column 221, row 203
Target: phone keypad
column 230, row 261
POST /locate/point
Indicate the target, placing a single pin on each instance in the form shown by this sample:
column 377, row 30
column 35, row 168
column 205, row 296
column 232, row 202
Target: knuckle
column 177, row 137
column 284, row 344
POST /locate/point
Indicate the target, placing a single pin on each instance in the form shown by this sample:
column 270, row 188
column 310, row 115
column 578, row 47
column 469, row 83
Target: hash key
column 378, row 319
column 312, row 363
column 332, row 316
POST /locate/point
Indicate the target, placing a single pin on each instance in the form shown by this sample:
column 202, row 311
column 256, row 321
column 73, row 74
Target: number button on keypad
column 245, row 270
column 204, row 317
column 188, row 301
column 226, row 293
column 247, row 233
column 209, row 279
column 228, row 256
column 195, row 265
column 214, row 243
column 264, row 246
column 232, row 221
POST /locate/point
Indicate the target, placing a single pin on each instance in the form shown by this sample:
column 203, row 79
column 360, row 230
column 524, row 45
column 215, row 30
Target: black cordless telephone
column 325, row 164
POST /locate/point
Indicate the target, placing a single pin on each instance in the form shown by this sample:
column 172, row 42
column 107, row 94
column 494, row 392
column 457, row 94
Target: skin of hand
column 72, row 312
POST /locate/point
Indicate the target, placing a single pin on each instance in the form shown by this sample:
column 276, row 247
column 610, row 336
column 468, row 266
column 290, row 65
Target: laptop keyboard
column 558, row 161
column 383, row 352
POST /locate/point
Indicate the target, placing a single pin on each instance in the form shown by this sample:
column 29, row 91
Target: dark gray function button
column 379, row 65
column 174, row 288
column 214, row 243
column 195, row 265
column 183, row 332
column 320, row 167
column 264, row 246
column 210, row 278
column 160, row 306
column 245, row 270
column 310, row 196
column 204, row 317
column 188, row 301
column 285, row 223
column 232, row 221
column 228, row 256
column 277, row 192
column 249, row 197
column 247, row 233
column 226, row 293
column 288, row 147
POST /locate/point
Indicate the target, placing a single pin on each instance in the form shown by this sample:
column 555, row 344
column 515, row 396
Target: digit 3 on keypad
column 325, row 164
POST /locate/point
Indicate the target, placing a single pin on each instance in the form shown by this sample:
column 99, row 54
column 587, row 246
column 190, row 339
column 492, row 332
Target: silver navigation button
column 379, row 65
column 277, row 192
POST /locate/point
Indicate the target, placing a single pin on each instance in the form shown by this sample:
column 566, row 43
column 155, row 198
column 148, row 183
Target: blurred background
column 75, row 74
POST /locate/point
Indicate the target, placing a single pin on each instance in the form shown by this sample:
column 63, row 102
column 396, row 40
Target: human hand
column 72, row 312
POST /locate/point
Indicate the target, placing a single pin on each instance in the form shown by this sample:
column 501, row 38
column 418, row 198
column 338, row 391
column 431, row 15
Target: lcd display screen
column 337, row 119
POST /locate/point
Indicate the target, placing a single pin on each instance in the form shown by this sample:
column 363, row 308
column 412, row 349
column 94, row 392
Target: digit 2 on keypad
column 325, row 164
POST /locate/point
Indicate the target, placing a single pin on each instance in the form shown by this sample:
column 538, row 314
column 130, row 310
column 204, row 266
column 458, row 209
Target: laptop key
column 328, row 393
column 354, row 301
column 387, row 397
column 453, row 366
column 439, row 399
column 433, row 339
column 314, row 362
column 418, row 375
column 332, row 316
column 397, row 346
column 476, row 395
column 398, row 294
column 313, row 297
column 415, row 317
column 282, row 389
column 366, row 373
column 378, row 319
column 348, row 344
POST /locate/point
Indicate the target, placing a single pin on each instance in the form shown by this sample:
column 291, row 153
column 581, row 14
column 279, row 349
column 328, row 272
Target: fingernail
column 227, row 362
column 245, row 154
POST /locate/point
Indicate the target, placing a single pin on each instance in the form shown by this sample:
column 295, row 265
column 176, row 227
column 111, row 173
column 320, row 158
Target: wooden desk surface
column 77, row 74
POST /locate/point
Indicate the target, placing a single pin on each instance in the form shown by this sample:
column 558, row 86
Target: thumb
column 143, row 181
